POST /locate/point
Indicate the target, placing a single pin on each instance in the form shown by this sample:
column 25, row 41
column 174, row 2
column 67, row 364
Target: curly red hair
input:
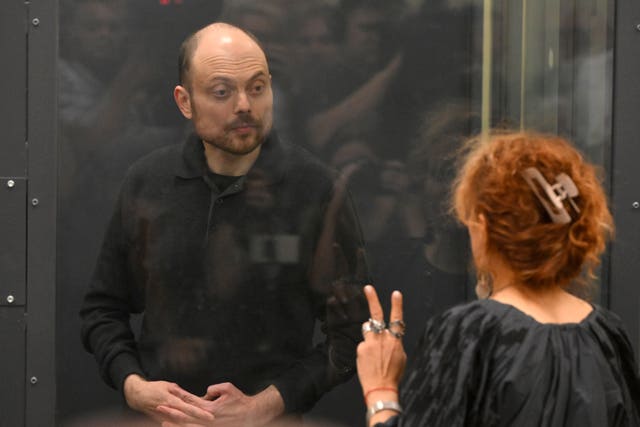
column 540, row 252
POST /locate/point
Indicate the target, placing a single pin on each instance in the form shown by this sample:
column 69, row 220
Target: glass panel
column 384, row 92
column 554, row 63
column 553, row 72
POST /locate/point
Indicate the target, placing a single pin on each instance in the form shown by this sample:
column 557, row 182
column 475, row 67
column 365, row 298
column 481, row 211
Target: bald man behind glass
column 233, row 245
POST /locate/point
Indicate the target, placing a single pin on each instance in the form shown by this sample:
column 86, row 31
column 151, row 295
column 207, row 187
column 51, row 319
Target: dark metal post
column 625, row 251
column 42, row 31
column 13, row 199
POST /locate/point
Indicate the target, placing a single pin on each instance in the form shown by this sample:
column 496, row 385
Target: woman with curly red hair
column 529, row 352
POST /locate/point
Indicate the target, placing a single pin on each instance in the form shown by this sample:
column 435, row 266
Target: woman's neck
column 546, row 305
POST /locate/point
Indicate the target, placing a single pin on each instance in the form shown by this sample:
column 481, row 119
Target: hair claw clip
column 563, row 188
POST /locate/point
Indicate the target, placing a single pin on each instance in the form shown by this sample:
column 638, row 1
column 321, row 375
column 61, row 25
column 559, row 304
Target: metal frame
column 42, row 48
column 624, row 293
column 13, row 223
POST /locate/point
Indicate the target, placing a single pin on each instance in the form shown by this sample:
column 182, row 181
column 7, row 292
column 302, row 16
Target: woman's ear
column 478, row 226
column 482, row 220
column 183, row 101
column 478, row 234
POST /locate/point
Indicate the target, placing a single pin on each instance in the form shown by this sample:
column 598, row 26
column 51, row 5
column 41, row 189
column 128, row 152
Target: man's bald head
column 226, row 90
column 190, row 45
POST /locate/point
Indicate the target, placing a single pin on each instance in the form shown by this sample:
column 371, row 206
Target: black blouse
column 489, row 364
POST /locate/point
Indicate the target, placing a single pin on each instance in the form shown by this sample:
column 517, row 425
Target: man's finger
column 173, row 416
column 172, row 424
column 375, row 309
column 194, row 412
column 187, row 397
column 215, row 405
column 215, row 391
column 183, row 394
column 396, row 307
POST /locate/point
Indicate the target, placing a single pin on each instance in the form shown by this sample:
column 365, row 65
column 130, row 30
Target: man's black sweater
column 231, row 283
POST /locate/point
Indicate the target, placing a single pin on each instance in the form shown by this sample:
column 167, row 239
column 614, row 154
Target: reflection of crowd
column 362, row 91
column 371, row 100
column 354, row 81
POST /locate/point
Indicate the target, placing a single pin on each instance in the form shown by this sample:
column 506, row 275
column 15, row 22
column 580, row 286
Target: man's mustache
column 243, row 122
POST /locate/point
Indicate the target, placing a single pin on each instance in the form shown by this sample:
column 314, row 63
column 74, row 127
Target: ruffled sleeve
column 448, row 381
column 391, row 422
column 610, row 333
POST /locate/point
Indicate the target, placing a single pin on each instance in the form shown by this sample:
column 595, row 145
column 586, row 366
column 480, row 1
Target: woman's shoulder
column 466, row 321
column 602, row 316
column 486, row 322
column 609, row 330
column 484, row 311
column 490, row 320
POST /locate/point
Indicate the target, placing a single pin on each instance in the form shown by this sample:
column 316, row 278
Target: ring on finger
column 366, row 327
column 397, row 328
column 396, row 334
column 377, row 326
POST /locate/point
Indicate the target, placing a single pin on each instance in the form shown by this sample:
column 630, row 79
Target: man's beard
column 239, row 145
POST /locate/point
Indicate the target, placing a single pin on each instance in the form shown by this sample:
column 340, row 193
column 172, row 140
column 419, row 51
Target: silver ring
column 366, row 327
column 377, row 326
column 397, row 328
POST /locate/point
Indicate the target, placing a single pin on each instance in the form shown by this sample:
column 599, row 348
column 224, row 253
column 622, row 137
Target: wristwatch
column 382, row 405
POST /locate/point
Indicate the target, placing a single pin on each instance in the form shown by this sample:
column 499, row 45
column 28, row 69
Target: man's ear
column 183, row 100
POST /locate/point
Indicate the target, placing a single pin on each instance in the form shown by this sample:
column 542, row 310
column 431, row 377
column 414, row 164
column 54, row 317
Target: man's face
column 364, row 32
column 315, row 38
column 229, row 92
column 98, row 31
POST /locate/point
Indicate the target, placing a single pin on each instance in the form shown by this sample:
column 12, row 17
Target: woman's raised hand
column 381, row 357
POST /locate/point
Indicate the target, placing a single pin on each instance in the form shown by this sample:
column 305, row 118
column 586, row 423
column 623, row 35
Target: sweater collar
column 271, row 161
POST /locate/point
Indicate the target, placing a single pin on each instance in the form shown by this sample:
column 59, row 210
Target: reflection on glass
column 556, row 70
column 383, row 92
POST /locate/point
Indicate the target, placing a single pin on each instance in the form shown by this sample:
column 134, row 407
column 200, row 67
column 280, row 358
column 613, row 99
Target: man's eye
column 257, row 88
column 220, row 92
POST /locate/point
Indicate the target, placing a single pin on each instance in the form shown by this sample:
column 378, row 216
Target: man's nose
column 243, row 104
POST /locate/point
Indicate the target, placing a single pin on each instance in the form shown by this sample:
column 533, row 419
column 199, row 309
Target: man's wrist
column 123, row 365
column 132, row 379
column 129, row 387
column 269, row 403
